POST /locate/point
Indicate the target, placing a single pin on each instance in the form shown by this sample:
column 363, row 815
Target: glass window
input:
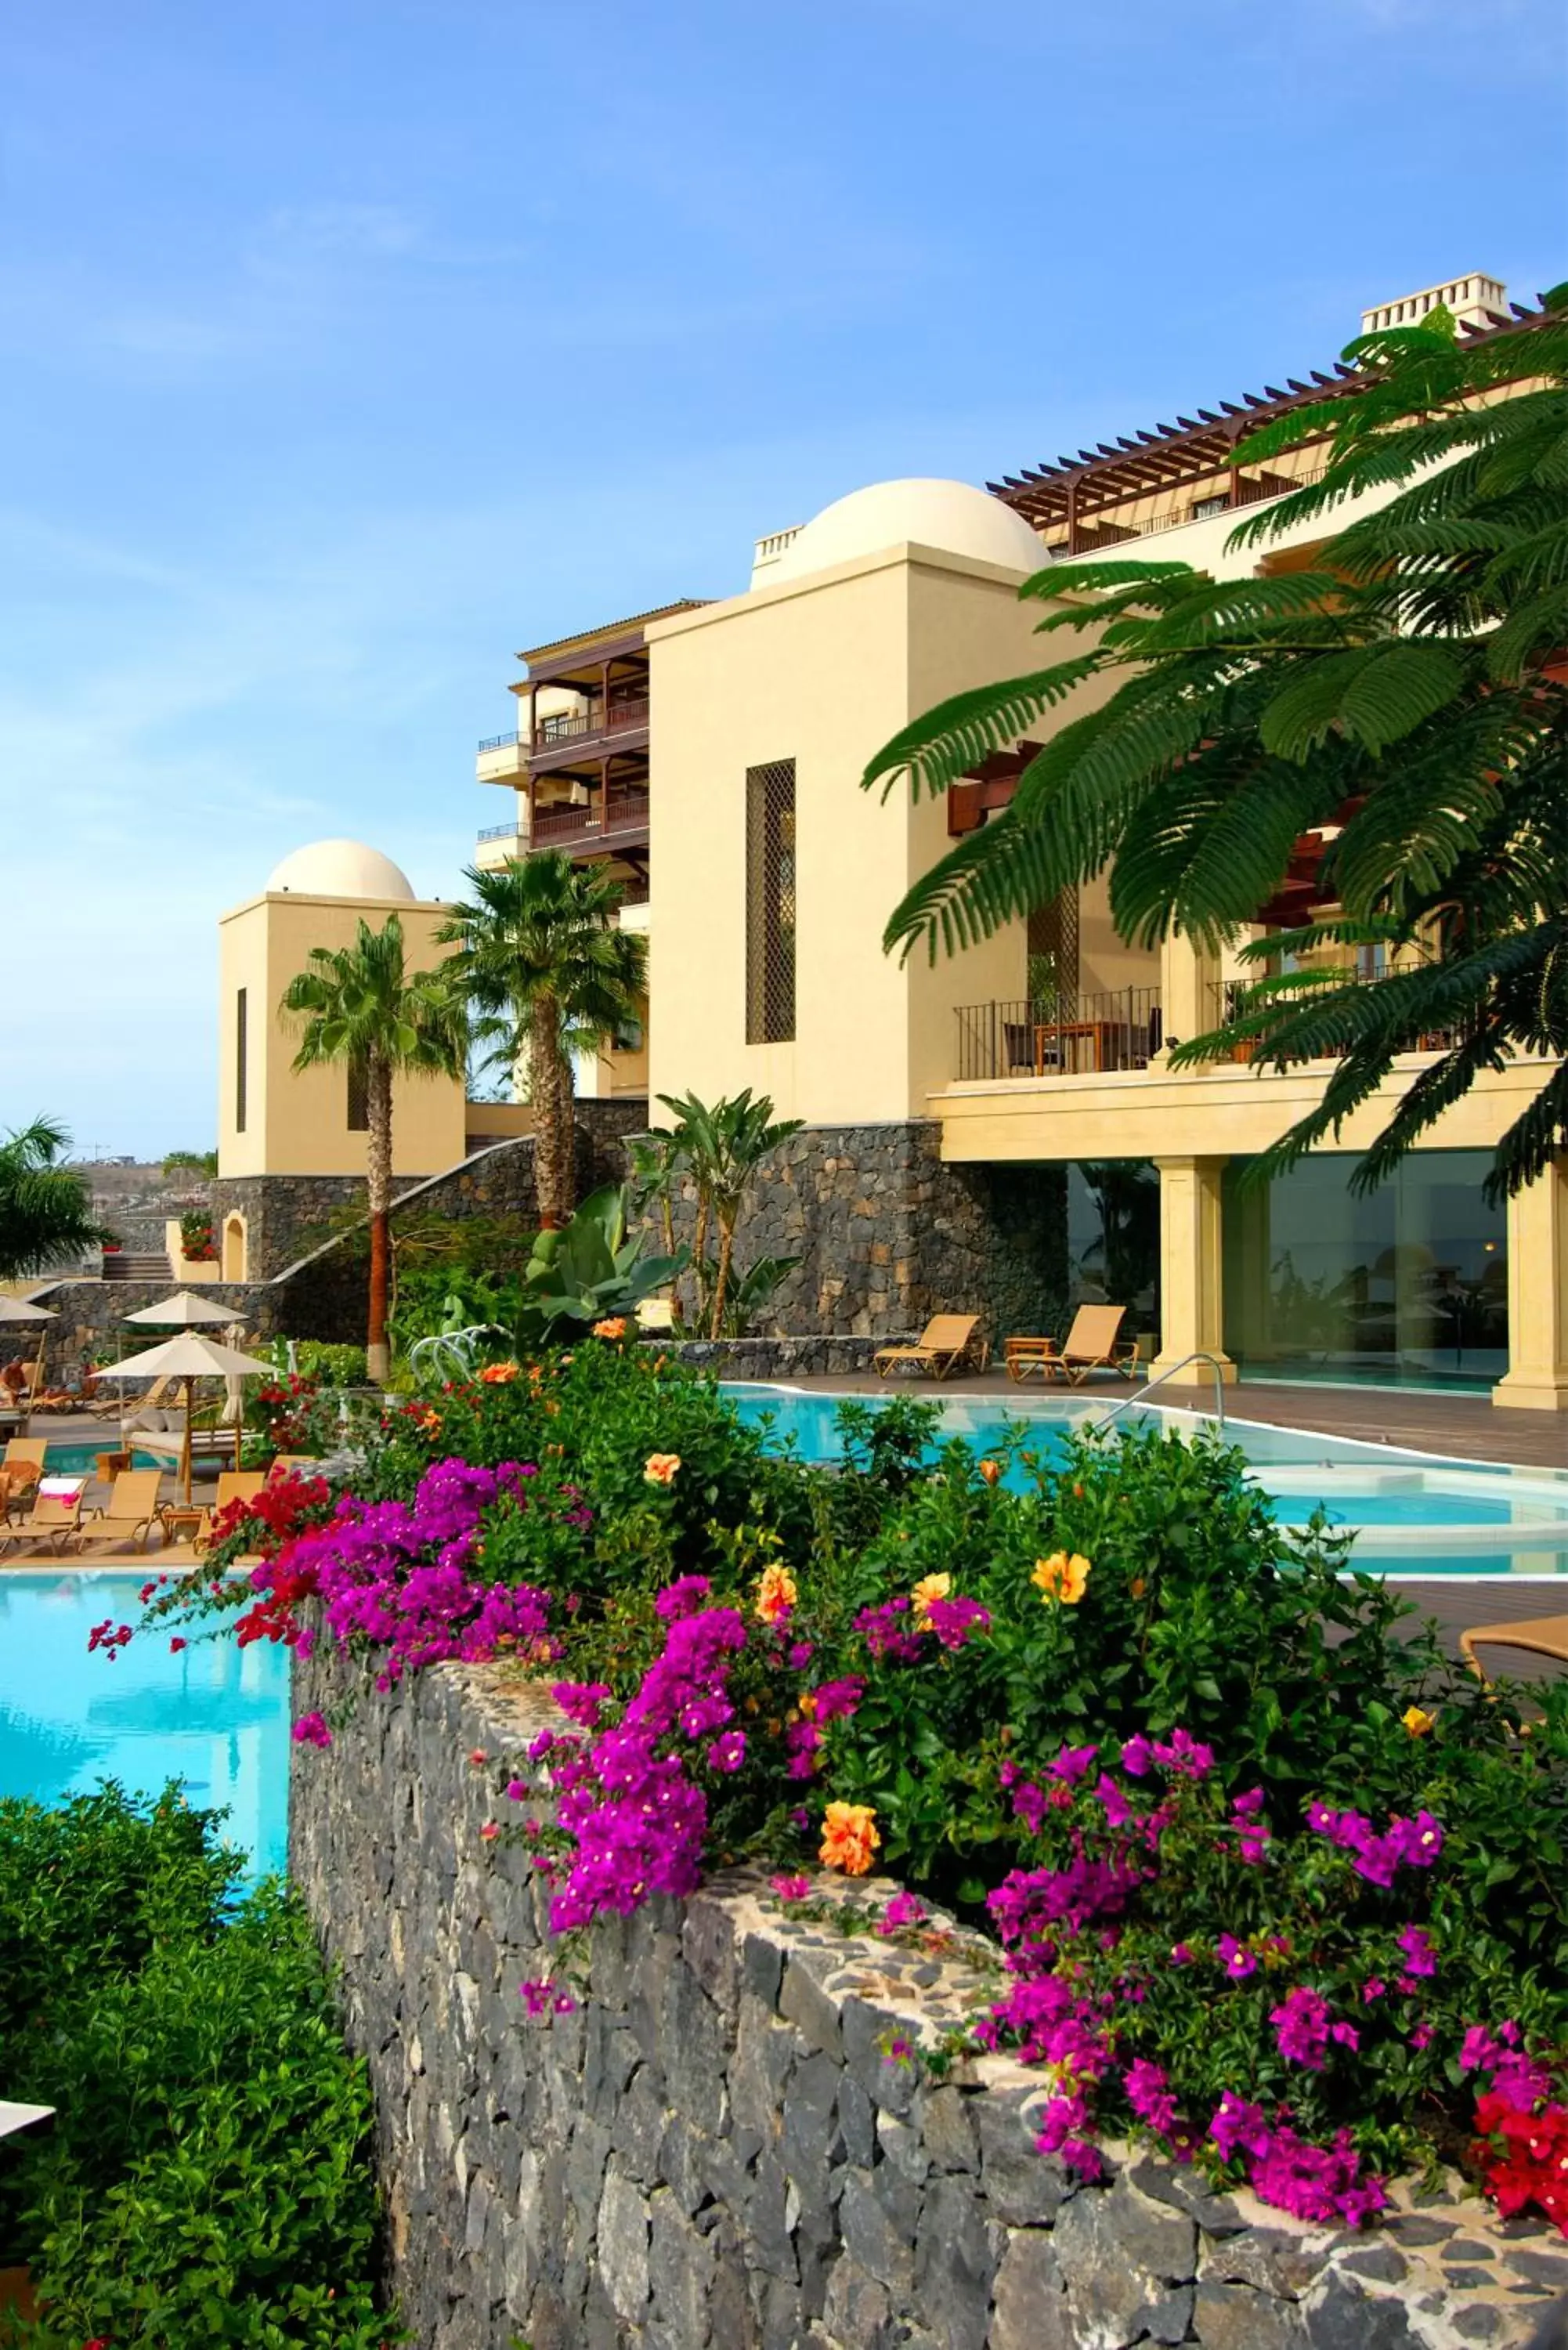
column 1408, row 1282
column 241, row 1048
column 1113, row 1241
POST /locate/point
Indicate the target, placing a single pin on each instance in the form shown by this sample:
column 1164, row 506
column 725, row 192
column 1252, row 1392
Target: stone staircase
column 135, row 1265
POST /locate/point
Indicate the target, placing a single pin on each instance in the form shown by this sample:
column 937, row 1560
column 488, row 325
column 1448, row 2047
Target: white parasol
column 22, row 1309
column 180, row 1312
column 189, row 1357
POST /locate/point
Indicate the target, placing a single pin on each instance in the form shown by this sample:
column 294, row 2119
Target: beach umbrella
column 180, row 1312
column 22, row 1309
column 189, row 1357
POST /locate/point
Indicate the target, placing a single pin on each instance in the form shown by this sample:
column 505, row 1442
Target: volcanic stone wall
column 741, row 2139
column 888, row 1233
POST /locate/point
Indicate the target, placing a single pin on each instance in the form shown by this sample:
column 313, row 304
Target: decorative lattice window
column 770, row 903
column 241, row 1049
column 1053, row 949
column 358, row 1097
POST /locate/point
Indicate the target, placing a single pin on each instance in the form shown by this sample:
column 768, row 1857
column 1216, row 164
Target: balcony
column 623, row 817
column 502, row 759
column 561, row 740
column 1065, row 1037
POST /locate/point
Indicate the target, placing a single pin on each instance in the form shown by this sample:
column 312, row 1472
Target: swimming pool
column 81, row 1459
column 1412, row 1513
column 216, row 1716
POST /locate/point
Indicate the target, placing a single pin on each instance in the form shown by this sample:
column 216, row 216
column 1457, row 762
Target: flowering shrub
column 1258, row 1861
column 1287, row 2003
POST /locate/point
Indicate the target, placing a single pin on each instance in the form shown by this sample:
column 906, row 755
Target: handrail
column 1198, row 1356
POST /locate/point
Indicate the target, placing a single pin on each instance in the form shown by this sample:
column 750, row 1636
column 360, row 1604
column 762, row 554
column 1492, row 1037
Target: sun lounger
column 1091, row 1345
column 56, row 1516
column 1538, row 1636
column 233, row 1485
column 947, row 1343
column 131, row 1511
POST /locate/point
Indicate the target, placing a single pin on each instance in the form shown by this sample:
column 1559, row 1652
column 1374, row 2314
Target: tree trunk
column 378, row 1187
column 545, row 1053
column 699, row 1250
column 566, row 1078
column 721, row 1278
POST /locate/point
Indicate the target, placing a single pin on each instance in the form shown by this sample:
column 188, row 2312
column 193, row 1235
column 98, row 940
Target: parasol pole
column 185, row 1448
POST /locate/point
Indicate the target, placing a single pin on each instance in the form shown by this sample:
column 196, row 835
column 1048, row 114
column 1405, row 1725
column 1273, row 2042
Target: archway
column 234, row 1248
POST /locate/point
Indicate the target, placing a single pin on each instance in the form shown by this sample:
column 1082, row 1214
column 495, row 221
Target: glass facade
column 1406, row 1285
column 1113, row 1241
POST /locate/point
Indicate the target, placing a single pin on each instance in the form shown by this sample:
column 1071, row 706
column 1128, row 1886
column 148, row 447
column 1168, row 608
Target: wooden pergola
column 1071, row 503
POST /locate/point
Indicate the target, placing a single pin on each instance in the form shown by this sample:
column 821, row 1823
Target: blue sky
column 345, row 348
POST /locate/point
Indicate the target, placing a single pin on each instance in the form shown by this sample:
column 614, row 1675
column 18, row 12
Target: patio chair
column 131, row 1511
column 27, row 1452
column 233, row 1485
column 56, row 1516
column 947, row 1344
column 1539, row 1635
column 292, row 1464
column 1091, row 1345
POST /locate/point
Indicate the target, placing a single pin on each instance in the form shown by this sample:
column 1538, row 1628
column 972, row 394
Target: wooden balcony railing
column 600, row 821
column 583, row 725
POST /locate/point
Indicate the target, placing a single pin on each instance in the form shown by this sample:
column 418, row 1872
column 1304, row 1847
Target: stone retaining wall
column 889, row 1234
column 90, row 1318
column 722, row 2148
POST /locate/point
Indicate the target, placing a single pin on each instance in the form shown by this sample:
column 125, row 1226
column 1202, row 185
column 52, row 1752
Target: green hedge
column 208, row 2178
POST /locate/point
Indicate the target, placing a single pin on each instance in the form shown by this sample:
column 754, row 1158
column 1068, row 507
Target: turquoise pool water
column 81, row 1459
column 213, row 1715
column 1413, row 1514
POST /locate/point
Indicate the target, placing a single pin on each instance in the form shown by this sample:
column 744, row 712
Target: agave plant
column 589, row 1270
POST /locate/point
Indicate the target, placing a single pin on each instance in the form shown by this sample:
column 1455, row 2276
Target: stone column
column 1191, row 1285
column 1537, row 1378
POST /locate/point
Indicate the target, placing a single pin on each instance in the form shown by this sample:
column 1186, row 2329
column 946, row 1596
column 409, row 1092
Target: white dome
column 954, row 516
column 341, row 868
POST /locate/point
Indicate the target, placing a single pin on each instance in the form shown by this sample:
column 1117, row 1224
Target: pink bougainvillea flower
column 791, row 1888
column 902, row 1911
column 311, row 1730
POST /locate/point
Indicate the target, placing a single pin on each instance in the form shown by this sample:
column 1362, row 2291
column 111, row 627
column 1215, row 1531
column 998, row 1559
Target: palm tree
column 547, row 967
column 359, row 1007
column 1408, row 696
column 46, row 1212
column 724, row 1146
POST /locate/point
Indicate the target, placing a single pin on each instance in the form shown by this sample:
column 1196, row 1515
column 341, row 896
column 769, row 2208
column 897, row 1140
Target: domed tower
column 292, row 1144
column 775, row 872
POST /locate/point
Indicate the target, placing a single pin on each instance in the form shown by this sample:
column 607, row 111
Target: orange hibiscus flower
column 498, row 1375
column 615, row 1328
column 776, row 1595
column 1061, row 1577
column 929, row 1587
column 659, row 1467
column 849, row 1837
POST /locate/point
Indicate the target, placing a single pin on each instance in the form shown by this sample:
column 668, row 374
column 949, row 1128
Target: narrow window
column 240, row 1062
column 359, row 1099
column 770, row 903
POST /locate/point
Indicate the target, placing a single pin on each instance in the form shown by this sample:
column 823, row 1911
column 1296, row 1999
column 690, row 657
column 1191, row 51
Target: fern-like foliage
column 1409, row 693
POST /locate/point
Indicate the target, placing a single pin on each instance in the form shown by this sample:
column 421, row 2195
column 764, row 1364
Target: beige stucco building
column 710, row 754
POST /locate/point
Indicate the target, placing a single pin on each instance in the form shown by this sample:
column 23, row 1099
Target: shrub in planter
column 208, row 2178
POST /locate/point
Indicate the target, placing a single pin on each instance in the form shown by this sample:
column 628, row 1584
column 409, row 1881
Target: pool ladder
column 1145, row 1392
